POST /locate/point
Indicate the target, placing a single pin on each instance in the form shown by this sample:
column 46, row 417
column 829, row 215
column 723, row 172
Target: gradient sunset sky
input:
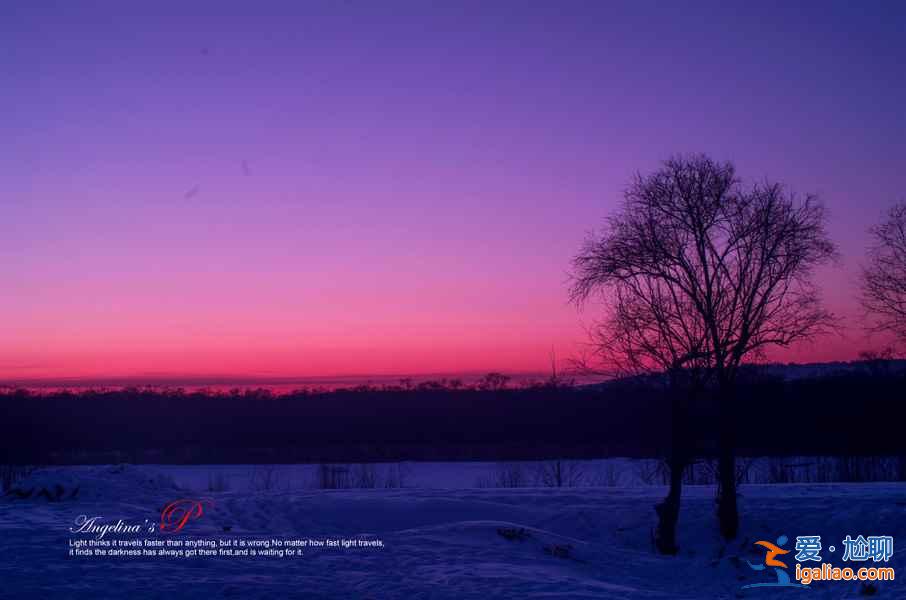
column 336, row 188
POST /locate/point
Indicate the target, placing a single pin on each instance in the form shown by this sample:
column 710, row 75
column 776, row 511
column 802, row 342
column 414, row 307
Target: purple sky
column 332, row 188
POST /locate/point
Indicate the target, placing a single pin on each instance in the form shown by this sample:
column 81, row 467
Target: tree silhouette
column 884, row 277
column 730, row 266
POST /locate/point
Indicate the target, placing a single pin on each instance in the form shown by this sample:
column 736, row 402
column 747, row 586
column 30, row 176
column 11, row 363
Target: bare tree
column 729, row 263
column 884, row 277
column 559, row 473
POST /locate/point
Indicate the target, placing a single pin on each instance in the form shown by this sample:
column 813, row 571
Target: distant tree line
column 848, row 413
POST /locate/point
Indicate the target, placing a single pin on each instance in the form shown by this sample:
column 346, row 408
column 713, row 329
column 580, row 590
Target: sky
column 351, row 188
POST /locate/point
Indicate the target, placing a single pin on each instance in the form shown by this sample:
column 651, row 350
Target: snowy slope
column 566, row 543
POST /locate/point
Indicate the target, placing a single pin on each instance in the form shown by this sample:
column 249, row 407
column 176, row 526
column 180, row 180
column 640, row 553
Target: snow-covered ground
column 584, row 542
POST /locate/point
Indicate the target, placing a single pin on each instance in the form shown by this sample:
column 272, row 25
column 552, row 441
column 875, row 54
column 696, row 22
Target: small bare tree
column 884, row 277
column 734, row 264
column 559, row 473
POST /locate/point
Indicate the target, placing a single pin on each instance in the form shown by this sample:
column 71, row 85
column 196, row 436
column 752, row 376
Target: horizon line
column 212, row 379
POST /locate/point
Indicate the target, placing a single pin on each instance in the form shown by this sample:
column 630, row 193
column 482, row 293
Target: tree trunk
column 727, row 512
column 668, row 510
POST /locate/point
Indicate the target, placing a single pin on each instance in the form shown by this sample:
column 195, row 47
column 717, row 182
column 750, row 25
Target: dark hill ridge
column 832, row 411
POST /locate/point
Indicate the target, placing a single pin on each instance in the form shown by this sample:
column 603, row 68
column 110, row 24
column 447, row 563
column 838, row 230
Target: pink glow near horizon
column 342, row 190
